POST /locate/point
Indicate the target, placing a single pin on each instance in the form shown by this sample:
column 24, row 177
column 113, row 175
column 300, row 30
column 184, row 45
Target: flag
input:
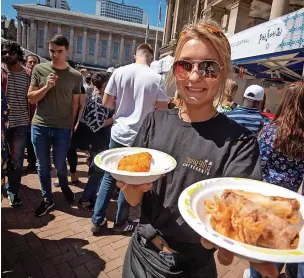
column 147, row 30
column 159, row 13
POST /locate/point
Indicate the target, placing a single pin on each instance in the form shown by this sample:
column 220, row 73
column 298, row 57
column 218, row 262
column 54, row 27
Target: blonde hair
column 229, row 93
column 205, row 30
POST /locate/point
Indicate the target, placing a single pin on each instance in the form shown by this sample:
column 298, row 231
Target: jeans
column 43, row 138
column 31, row 157
column 16, row 138
column 255, row 274
column 105, row 193
column 72, row 159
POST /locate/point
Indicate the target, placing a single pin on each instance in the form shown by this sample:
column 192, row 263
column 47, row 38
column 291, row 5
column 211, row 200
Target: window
column 40, row 38
column 127, row 52
column 115, row 50
column 92, row 46
column 79, row 44
column 104, row 48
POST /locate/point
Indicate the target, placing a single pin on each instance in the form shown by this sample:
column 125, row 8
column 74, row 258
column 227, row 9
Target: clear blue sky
column 88, row 6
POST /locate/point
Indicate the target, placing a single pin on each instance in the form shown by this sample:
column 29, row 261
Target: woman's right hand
column 138, row 187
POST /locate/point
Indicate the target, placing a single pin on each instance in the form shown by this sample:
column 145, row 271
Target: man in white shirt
column 133, row 91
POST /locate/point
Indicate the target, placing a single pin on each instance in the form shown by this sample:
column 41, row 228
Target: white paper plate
column 191, row 207
column 162, row 163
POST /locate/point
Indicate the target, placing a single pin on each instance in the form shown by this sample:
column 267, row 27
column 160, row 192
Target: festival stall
column 270, row 54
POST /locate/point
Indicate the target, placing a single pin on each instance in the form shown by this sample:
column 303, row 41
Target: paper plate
column 191, row 207
column 162, row 163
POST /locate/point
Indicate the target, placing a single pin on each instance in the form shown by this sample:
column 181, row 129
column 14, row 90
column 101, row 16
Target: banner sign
column 281, row 34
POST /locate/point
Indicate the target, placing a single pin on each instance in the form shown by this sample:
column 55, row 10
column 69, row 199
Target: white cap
column 254, row 92
column 110, row 70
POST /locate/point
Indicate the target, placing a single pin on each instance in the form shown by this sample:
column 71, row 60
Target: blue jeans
column 105, row 193
column 90, row 191
column 43, row 138
column 16, row 138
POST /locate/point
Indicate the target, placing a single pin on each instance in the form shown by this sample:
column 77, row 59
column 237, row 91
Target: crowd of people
column 54, row 107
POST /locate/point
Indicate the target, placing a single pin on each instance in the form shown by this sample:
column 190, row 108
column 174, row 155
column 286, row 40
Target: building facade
column 94, row 40
column 231, row 15
column 8, row 28
column 59, row 4
column 120, row 11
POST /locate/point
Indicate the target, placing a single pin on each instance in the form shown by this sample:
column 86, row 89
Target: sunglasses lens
column 182, row 69
column 209, row 69
column 3, row 53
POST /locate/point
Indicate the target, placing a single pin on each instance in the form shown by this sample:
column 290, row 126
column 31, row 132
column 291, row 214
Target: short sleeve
column 79, row 84
column 111, row 88
column 142, row 138
column 244, row 161
column 35, row 78
column 162, row 93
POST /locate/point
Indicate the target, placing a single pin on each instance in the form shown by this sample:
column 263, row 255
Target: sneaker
column 44, row 208
column 56, row 183
column 14, row 201
column 68, row 194
column 97, row 229
column 246, row 273
column 129, row 226
column 88, row 206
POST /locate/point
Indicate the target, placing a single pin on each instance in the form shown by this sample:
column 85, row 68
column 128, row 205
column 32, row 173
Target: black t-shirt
column 215, row 148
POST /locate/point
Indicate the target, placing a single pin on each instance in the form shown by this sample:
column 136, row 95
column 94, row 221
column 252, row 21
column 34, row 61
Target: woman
column 163, row 245
column 226, row 103
column 282, row 147
column 93, row 134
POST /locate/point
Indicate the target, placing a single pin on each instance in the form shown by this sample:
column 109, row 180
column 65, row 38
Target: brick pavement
column 60, row 244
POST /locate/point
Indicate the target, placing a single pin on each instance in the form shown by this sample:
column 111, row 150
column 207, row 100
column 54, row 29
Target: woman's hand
column 225, row 257
column 138, row 187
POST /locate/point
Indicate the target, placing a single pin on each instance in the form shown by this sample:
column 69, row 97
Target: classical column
column 239, row 15
column 278, row 8
column 45, row 38
column 59, row 28
column 28, row 38
column 71, row 42
column 19, row 30
column 169, row 21
column 109, row 50
column 97, row 42
column 215, row 14
column 133, row 49
column 178, row 13
column 33, row 39
column 121, row 50
column 84, row 44
column 24, row 34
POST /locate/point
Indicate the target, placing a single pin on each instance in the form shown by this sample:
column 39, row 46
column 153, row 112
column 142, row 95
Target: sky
column 88, row 7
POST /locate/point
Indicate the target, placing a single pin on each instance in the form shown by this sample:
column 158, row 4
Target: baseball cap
column 111, row 69
column 254, row 92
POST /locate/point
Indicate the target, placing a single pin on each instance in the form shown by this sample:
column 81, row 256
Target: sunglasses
column 11, row 52
column 209, row 69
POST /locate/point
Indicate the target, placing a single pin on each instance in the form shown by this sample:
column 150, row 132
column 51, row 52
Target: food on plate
column 255, row 219
column 139, row 162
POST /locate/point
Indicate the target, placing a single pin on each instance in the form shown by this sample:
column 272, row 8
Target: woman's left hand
column 225, row 257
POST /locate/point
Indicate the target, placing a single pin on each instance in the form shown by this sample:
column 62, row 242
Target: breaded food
column 139, row 162
column 255, row 219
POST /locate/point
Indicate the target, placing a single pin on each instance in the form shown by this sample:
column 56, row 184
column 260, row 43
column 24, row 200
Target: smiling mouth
column 195, row 90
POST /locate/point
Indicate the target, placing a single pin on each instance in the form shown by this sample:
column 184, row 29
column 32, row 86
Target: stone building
column 232, row 15
column 94, row 40
column 8, row 28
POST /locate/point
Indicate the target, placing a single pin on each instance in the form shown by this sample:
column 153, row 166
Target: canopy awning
column 272, row 49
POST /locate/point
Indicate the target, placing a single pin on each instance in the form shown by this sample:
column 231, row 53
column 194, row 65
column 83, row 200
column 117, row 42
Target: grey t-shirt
column 215, row 148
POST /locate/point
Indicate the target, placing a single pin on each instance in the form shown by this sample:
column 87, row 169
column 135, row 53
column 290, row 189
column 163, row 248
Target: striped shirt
column 16, row 94
column 250, row 118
